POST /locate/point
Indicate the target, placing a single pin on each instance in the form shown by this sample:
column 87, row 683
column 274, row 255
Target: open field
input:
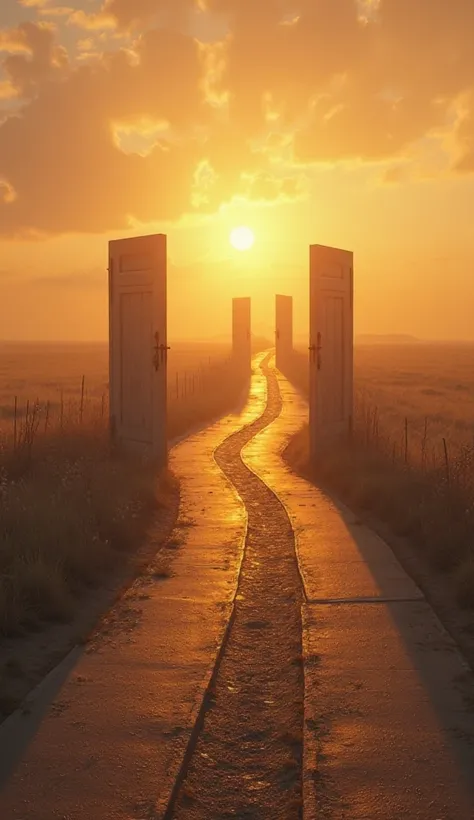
column 30, row 370
column 62, row 377
column 76, row 517
column 70, row 506
column 410, row 460
column 428, row 387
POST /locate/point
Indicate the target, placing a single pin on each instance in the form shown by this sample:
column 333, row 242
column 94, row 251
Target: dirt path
column 247, row 759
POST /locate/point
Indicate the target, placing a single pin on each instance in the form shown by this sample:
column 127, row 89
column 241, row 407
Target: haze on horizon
column 310, row 121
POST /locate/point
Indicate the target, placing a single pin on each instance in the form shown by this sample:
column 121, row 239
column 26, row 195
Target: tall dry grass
column 410, row 459
column 72, row 507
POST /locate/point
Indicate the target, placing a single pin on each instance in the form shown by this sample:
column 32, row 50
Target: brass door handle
column 160, row 352
column 164, row 352
column 315, row 352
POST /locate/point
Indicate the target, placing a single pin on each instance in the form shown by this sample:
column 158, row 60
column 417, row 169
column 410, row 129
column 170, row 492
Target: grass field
column 71, row 507
column 411, row 458
column 427, row 387
column 61, row 376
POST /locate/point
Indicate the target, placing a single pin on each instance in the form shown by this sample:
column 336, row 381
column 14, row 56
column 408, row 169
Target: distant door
column 241, row 333
column 283, row 330
column 331, row 344
column 138, row 344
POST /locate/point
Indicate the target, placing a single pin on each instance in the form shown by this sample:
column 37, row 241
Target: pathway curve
column 247, row 759
column 389, row 700
column 191, row 703
column 104, row 736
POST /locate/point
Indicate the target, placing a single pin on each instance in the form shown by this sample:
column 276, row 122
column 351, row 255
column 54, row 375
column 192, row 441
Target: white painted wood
column 241, row 333
column 331, row 344
column 138, row 344
column 283, row 330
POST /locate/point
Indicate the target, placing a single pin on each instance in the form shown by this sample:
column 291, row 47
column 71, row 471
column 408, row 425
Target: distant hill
column 387, row 339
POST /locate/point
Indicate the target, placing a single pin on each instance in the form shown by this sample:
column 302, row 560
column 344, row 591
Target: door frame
column 327, row 258
column 138, row 276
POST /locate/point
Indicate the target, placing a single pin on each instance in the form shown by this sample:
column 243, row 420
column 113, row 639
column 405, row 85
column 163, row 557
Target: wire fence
column 417, row 440
column 411, row 473
column 24, row 418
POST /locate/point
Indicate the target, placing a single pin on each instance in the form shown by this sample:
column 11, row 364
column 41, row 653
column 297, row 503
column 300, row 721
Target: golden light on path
column 242, row 238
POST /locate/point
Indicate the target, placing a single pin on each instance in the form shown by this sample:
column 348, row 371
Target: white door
column 331, row 344
column 138, row 344
column 241, row 333
column 283, row 330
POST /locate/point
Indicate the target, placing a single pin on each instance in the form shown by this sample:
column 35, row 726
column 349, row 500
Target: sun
column 242, row 238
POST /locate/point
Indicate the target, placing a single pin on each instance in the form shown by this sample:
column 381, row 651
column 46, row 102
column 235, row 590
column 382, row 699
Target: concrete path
column 389, row 701
column 112, row 742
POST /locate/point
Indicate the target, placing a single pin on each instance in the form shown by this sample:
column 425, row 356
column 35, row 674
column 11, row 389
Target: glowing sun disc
column 242, row 238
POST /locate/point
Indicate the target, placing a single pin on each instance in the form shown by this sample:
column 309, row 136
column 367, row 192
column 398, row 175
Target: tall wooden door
column 138, row 344
column 241, row 333
column 283, row 330
column 331, row 344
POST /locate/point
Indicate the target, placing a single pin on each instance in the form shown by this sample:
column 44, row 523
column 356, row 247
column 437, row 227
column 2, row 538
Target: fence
column 24, row 419
column 411, row 474
column 419, row 442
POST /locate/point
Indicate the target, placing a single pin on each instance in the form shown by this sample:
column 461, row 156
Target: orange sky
column 326, row 121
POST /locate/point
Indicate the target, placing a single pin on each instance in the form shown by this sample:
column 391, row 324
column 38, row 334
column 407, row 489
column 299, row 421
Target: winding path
column 247, row 760
column 288, row 667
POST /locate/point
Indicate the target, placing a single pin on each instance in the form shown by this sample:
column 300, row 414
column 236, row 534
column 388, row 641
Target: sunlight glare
column 242, row 238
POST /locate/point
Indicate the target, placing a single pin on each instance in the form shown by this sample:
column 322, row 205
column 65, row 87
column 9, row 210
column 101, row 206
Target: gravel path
column 247, row 759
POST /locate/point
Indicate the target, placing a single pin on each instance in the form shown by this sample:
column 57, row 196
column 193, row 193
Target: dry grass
column 71, row 508
column 411, row 458
column 68, row 382
column 68, row 515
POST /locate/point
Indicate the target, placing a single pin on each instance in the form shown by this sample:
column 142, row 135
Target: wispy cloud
column 284, row 86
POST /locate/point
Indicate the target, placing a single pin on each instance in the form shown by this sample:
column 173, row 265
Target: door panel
column 331, row 344
column 138, row 343
column 332, row 387
column 283, row 330
column 136, row 376
column 241, row 333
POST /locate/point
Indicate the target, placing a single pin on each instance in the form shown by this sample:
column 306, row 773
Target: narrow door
column 241, row 333
column 138, row 344
column 283, row 330
column 331, row 344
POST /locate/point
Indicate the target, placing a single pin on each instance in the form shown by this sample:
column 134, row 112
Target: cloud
column 168, row 124
column 128, row 13
column 63, row 160
column 90, row 22
column 33, row 56
column 350, row 88
column 7, row 90
column 60, row 158
column 395, row 174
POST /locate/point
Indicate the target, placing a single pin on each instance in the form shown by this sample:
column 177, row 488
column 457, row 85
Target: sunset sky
column 311, row 121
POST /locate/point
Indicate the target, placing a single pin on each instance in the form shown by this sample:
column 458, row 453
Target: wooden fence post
column 81, row 412
column 15, row 424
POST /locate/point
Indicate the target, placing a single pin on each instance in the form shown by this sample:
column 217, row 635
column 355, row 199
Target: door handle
column 164, row 352
column 160, row 352
column 315, row 352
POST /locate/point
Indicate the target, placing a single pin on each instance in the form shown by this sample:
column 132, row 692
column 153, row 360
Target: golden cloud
column 277, row 82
